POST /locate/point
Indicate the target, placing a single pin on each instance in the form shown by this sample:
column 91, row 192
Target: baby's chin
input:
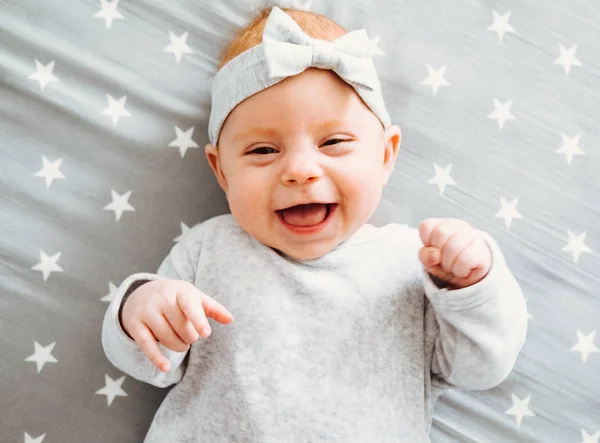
column 305, row 250
column 306, row 253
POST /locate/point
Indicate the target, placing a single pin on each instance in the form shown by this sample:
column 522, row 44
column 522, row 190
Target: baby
column 343, row 332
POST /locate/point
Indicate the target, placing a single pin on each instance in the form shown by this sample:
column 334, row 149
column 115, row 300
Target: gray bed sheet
column 103, row 119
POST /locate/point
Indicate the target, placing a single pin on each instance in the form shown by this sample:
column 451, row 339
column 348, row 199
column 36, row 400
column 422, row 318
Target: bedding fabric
column 104, row 110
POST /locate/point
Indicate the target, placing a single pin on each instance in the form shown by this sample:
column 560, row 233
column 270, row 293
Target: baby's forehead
column 266, row 127
column 286, row 129
column 315, row 92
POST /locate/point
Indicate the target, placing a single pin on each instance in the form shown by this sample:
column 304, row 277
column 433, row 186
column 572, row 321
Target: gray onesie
column 353, row 347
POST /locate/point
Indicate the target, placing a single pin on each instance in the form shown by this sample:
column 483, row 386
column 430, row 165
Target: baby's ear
column 392, row 139
column 214, row 160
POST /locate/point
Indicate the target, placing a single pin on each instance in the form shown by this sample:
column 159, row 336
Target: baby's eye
column 333, row 141
column 263, row 150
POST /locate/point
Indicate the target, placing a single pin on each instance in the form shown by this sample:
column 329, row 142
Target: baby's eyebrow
column 333, row 124
column 255, row 132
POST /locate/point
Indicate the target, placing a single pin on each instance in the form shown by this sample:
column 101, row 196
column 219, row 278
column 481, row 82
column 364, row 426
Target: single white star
column 184, row 230
column 375, row 48
column 178, row 46
column 42, row 355
column 442, row 177
column 576, row 245
column 502, row 112
column 112, row 389
column 30, row 439
column 589, row 438
column 109, row 12
column 44, row 74
column 567, row 58
column 508, row 211
column 48, row 265
column 500, row 25
column 520, row 408
column 435, row 79
column 119, row 204
column 116, row 108
column 570, row 147
column 184, row 140
column 50, row 171
column 112, row 293
column 585, row 345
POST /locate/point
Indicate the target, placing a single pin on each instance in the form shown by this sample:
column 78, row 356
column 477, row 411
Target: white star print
column 112, row 293
column 508, row 211
column 109, row 12
column 502, row 112
column 184, row 230
column 501, row 25
column 375, row 48
column 184, row 140
column 567, row 58
column 442, row 177
column 44, row 74
column 50, row 171
column 116, row 108
column 585, row 345
column 178, row 46
column 112, row 389
column 588, row 438
column 30, row 439
column 435, row 79
column 42, row 355
column 576, row 245
column 570, row 147
column 119, row 204
column 48, row 265
column 520, row 408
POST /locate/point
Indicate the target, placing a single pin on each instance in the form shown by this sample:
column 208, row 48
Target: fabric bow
column 289, row 51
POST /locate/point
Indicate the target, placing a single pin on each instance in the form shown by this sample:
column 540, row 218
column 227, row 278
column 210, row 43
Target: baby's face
column 307, row 139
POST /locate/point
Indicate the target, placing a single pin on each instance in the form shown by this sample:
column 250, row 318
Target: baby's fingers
column 430, row 257
column 148, row 344
column 216, row 310
column 180, row 324
column 165, row 334
column 190, row 303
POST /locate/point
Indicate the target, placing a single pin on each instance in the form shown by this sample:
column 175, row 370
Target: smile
column 310, row 229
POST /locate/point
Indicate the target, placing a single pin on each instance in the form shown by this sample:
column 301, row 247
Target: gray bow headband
column 285, row 51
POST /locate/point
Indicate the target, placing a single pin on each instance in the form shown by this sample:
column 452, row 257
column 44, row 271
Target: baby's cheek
column 358, row 194
column 249, row 199
column 239, row 199
column 369, row 190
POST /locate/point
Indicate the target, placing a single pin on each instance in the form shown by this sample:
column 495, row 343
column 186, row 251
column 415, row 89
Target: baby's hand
column 454, row 251
column 172, row 312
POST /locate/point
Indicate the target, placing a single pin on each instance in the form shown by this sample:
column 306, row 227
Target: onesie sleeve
column 479, row 330
column 122, row 351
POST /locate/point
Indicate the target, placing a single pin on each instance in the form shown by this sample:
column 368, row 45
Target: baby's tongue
column 305, row 215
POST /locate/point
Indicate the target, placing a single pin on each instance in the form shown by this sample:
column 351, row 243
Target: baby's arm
column 122, row 350
column 479, row 329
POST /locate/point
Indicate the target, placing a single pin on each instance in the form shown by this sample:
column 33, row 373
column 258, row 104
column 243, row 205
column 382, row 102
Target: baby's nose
column 301, row 171
column 300, row 180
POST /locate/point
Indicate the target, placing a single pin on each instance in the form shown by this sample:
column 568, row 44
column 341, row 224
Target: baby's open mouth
column 308, row 215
